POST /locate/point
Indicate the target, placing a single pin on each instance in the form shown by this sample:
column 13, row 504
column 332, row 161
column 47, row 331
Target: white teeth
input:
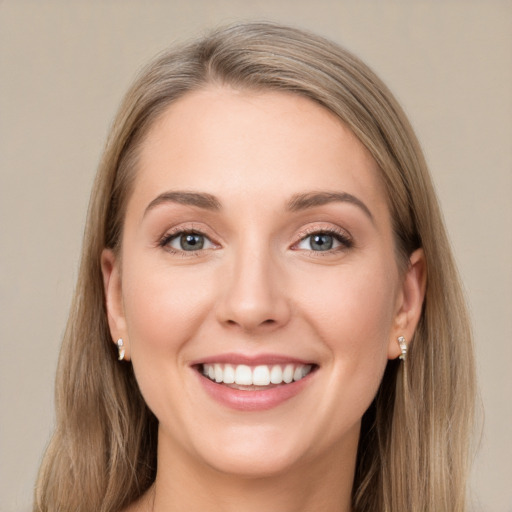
column 229, row 374
column 261, row 375
column 297, row 374
column 288, row 373
column 243, row 375
column 276, row 375
column 218, row 373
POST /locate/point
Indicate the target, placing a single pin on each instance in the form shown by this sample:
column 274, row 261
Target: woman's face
column 257, row 247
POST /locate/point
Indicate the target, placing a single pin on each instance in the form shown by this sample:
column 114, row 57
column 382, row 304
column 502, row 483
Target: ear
column 409, row 303
column 110, row 268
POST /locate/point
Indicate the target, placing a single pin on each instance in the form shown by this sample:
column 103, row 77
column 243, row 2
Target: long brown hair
column 413, row 451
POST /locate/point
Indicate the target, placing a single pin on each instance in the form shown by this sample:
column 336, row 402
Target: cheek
column 163, row 306
column 353, row 305
column 352, row 312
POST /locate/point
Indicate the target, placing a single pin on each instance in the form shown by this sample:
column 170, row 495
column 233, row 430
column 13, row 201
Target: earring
column 120, row 349
column 403, row 347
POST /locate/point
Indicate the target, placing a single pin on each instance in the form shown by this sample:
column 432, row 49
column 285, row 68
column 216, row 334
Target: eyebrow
column 311, row 199
column 298, row 202
column 201, row 200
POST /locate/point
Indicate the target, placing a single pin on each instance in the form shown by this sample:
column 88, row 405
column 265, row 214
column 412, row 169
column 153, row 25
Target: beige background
column 64, row 66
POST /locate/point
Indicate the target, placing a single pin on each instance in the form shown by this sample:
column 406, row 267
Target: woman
column 268, row 316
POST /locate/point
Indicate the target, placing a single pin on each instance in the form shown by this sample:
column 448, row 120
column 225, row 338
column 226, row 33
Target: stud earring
column 120, row 349
column 403, row 347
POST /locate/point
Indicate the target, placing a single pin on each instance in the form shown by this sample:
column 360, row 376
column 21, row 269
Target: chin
column 251, row 467
column 253, row 456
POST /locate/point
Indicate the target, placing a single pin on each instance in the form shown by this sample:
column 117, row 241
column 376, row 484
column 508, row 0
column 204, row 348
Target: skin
column 258, row 287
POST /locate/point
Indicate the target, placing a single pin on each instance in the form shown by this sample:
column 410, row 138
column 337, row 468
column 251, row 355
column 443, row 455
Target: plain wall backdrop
column 63, row 69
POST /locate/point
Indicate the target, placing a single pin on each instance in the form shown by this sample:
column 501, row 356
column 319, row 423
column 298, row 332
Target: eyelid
column 178, row 236
column 341, row 235
column 181, row 229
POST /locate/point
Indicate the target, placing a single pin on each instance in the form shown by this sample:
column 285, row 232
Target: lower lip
column 253, row 400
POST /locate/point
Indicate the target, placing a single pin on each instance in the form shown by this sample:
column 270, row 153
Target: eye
column 324, row 241
column 187, row 241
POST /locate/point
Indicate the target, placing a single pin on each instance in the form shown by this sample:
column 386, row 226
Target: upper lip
column 250, row 360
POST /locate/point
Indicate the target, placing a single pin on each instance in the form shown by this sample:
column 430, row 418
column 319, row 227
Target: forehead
column 233, row 143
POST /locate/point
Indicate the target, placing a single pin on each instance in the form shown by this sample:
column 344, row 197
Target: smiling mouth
column 255, row 378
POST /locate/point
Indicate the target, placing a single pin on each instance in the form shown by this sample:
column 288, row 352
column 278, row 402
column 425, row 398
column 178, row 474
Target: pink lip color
column 253, row 400
column 253, row 360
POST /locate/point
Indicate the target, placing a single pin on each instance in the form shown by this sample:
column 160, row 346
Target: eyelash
column 175, row 234
column 340, row 236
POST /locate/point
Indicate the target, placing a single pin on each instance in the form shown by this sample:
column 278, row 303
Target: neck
column 322, row 484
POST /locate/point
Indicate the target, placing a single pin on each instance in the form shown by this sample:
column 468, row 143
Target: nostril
column 269, row 322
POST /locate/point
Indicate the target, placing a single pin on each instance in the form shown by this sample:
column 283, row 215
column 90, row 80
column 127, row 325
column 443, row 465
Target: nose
column 254, row 294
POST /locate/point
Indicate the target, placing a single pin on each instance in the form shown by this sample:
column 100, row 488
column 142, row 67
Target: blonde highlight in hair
column 413, row 451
